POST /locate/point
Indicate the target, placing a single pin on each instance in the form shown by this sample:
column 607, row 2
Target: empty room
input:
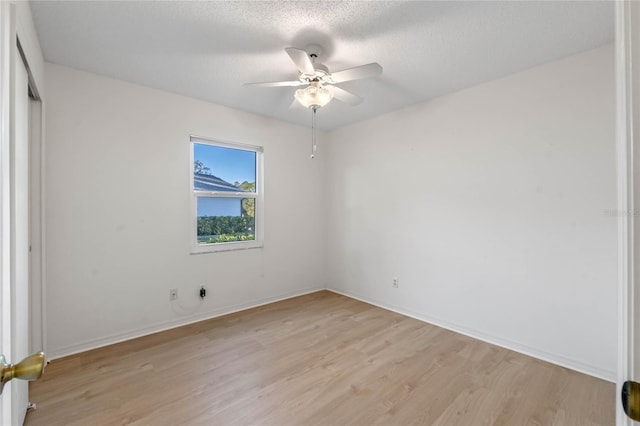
column 319, row 212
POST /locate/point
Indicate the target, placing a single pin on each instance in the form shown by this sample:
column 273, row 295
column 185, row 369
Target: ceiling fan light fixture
column 315, row 95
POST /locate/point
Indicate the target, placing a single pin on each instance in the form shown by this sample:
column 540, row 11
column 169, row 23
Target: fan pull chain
column 313, row 133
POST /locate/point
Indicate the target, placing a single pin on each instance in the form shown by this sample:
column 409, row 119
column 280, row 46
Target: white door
column 20, row 236
column 14, row 215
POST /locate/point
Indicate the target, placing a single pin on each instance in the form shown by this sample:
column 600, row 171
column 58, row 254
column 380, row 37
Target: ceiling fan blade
column 277, row 84
column 363, row 71
column 345, row 96
column 301, row 59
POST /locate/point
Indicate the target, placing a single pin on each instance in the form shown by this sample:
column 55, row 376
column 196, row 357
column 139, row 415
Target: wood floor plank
column 320, row 359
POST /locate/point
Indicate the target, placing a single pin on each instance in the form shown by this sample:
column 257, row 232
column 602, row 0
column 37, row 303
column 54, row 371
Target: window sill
column 214, row 248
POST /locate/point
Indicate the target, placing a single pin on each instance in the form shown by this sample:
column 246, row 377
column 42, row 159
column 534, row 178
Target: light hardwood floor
column 319, row 359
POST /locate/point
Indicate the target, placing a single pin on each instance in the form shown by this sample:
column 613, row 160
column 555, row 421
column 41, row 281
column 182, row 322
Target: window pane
column 223, row 220
column 223, row 169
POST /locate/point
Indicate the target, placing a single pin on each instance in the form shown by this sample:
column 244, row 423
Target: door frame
column 627, row 146
column 28, row 50
column 36, row 227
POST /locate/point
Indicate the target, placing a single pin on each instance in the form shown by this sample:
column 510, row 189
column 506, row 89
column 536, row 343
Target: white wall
column 118, row 212
column 488, row 205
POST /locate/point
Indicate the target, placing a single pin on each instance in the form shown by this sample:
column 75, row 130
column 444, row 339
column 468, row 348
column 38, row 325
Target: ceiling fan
column 320, row 83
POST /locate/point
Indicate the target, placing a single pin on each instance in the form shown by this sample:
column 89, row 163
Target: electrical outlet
column 173, row 294
column 395, row 282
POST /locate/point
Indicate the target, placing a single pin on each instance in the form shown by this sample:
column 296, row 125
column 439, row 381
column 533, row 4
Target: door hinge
column 631, row 399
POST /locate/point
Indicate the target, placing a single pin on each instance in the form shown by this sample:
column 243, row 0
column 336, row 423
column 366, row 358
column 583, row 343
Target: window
column 227, row 195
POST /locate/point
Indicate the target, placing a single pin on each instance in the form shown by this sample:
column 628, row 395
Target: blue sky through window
column 232, row 165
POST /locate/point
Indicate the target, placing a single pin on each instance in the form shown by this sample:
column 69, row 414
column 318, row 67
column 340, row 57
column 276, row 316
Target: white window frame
column 197, row 248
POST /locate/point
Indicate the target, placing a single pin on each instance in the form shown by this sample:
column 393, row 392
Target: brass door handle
column 30, row 368
column 631, row 399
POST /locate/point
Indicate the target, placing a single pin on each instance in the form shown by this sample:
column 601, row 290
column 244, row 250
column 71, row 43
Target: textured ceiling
column 206, row 50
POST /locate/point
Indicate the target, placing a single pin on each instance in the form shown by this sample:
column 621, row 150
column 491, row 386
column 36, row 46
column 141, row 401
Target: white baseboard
column 167, row 325
column 609, row 376
column 562, row 361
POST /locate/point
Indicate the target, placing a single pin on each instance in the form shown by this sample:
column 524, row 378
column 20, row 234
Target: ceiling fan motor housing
column 321, row 74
